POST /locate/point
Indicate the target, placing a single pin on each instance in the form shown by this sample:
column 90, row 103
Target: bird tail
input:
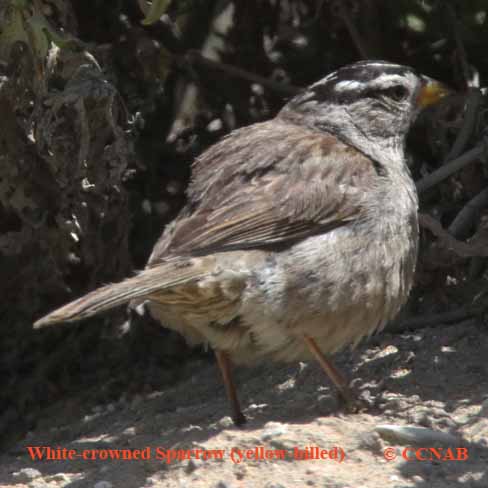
column 160, row 277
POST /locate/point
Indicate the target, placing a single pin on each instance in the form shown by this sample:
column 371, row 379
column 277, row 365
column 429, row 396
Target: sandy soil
column 435, row 378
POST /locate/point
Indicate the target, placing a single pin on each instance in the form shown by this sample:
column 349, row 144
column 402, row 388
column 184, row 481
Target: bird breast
column 336, row 287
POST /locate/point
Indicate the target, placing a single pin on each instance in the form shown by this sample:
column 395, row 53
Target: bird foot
column 349, row 403
column 239, row 419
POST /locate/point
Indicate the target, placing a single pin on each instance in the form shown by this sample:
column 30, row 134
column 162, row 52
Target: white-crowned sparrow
column 300, row 233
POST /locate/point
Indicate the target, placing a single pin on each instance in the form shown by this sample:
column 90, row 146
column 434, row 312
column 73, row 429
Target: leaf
column 44, row 33
column 20, row 4
column 28, row 25
column 156, row 10
column 12, row 31
column 40, row 43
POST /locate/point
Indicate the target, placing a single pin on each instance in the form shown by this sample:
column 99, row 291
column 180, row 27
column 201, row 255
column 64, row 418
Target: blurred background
column 104, row 105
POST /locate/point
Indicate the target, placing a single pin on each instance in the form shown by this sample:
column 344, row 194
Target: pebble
column 371, row 441
column 191, row 427
column 223, row 484
column 60, row 478
column 192, row 465
column 273, row 429
column 409, row 434
column 240, row 471
column 484, row 408
column 102, row 484
column 151, row 481
column 225, row 422
column 27, row 474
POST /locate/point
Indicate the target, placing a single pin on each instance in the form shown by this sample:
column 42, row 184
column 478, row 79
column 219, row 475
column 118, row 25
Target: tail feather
column 160, row 277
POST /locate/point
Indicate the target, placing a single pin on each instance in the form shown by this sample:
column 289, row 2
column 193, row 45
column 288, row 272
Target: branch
column 465, row 217
column 459, row 43
column 451, row 167
column 448, row 241
column 473, row 102
column 435, row 319
column 353, row 32
column 194, row 57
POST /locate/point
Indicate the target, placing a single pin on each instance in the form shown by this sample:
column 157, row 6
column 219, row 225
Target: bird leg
column 225, row 368
column 333, row 373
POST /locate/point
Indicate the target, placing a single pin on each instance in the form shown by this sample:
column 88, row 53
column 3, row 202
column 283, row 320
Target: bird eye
column 397, row 93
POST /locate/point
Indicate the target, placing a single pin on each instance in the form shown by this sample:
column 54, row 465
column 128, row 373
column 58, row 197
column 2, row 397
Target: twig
column 194, row 57
column 459, row 43
column 435, row 319
column 177, row 50
column 464, row 218
column 451, row 167
column 473, row 101
column 462, row 249
column 143, row 5
column 353, row 32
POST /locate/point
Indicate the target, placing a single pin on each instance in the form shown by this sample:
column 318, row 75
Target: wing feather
column 268, row 185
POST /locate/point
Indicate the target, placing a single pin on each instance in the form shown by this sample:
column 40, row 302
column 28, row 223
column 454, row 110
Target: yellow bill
column 431, row 92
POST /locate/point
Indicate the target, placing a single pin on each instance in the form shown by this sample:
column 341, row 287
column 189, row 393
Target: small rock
column 367, row 398
column 255, row 406
column 130, row 431
column 225, row 422
column 371, row 441
column 240, row 471
column 191, row 427
column 223, row 484
column 27, row 474
column 102, row 484
column 60, row 478
column 327, row 403
column 484, row 408
column 273, row 429
column 408, row 434
column 192, row 465
column 152, row 481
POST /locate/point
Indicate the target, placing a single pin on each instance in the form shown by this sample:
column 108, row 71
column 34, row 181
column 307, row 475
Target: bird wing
column 264, row 187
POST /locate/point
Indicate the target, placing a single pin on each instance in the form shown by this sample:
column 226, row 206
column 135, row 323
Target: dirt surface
column 434, row 378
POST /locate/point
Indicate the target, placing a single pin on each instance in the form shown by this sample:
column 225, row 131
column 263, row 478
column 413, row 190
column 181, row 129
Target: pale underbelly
column 328, row 290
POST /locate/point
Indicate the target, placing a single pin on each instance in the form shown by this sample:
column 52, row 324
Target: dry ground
column 435, row 378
